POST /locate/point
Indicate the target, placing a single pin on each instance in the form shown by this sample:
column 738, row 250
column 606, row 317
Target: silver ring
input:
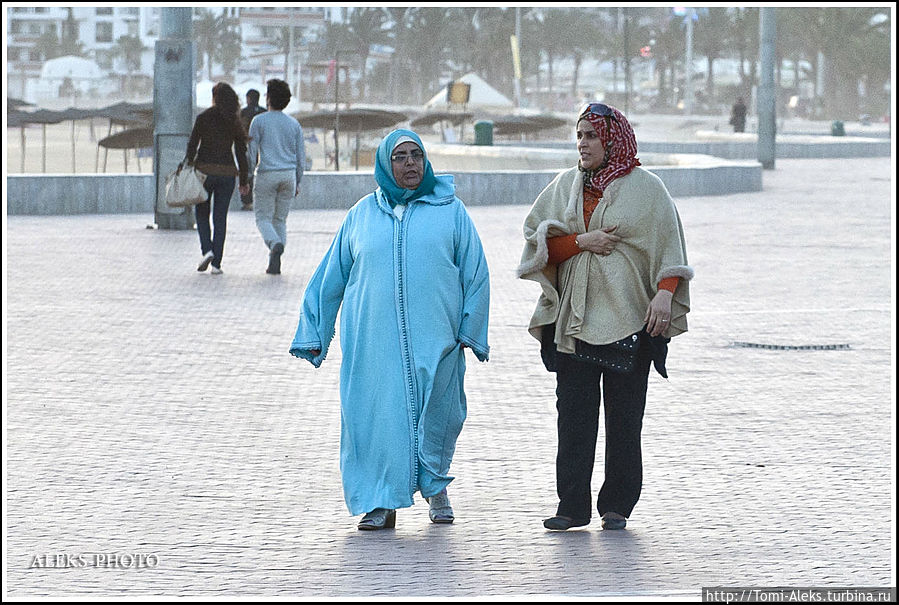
column 665, row 321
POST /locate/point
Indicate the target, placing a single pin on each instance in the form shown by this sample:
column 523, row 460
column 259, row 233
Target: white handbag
column 184, row 187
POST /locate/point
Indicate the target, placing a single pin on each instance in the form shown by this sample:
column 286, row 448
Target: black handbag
column 619, row 356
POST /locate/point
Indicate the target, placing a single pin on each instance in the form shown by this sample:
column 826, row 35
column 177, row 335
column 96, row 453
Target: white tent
column 481, row 95
column 83, row 75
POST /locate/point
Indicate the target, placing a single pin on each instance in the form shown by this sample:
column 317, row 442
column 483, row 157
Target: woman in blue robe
column 409, row 269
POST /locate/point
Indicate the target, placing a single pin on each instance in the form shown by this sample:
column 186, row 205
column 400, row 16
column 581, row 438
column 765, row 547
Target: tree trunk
column 577, row 69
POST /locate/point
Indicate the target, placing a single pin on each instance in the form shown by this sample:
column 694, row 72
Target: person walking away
column 605, row 243
column 738, row 115
column 216, row 139
column 409, row 271
column 277, row 157
column 246, row 117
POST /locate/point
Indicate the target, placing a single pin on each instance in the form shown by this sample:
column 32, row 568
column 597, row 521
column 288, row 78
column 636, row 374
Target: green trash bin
column 483, row 132
column 837, row 129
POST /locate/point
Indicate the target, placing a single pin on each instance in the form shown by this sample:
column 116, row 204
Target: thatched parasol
column 518, row 124
column 353, row 120
column 133, row 138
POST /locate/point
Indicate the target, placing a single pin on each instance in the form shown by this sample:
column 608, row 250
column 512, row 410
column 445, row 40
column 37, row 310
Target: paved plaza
column 160, row 440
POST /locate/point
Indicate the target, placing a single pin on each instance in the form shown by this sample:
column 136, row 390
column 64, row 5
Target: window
column 104, row 32
column 104, row 11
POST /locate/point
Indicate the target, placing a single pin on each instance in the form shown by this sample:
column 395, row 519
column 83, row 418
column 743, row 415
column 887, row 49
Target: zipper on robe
column 399, row 259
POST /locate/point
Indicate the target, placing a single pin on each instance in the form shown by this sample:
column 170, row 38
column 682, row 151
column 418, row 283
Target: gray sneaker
column 440, row 511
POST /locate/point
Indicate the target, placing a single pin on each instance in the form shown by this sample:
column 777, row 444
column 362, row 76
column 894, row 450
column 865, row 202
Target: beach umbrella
column 132, row 138
column 441, row 117
column 518, row 124
column 123, row 114
column 352, row 120
column 42, row 117
column 16, row 119
column 14, row 103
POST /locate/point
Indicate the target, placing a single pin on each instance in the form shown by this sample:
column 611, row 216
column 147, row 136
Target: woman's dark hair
column 225, row 100
column 278, row 93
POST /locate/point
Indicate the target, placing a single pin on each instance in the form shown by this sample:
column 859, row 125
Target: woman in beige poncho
column 605, row 243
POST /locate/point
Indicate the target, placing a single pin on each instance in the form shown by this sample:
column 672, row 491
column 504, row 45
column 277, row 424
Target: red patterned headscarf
column 619, row 141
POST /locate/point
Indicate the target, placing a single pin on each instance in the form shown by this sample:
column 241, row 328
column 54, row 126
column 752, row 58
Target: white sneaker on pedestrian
column 204, row 263
column 216, row 271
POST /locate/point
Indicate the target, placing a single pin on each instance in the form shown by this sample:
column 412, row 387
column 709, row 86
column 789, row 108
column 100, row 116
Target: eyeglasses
column 600, row 109
column 417, row 155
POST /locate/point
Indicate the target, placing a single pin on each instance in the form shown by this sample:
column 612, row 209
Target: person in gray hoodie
column 276, row 156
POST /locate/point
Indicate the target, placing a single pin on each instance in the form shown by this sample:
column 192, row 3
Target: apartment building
column 97, row 30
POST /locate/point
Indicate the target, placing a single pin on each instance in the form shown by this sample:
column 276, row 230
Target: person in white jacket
column 276, row 157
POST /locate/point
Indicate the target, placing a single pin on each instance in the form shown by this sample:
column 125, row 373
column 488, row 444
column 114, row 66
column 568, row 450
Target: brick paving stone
column 153, row 410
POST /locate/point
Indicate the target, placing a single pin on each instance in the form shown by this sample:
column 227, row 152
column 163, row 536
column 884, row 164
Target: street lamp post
column 337, row 111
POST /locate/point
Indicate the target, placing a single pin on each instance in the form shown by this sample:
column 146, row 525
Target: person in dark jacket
column 247, row 114
column 217, row 137
column 738, row 116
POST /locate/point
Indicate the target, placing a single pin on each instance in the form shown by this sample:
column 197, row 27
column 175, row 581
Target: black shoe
column 562, row 523
column 379, row 518
column 274, row 259
column 612, row 520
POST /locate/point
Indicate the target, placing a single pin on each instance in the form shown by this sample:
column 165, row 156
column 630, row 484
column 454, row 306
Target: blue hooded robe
column 413, row 289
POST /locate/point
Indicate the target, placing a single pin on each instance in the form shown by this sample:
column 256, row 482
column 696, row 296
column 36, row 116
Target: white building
column 96, row 29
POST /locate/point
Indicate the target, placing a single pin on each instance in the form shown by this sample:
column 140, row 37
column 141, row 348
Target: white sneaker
column 207, row 258
column 216, row 271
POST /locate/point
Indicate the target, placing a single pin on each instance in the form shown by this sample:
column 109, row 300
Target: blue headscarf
column 384, row 170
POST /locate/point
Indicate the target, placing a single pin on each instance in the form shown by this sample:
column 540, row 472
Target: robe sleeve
column 475, row 286
column 322, row 300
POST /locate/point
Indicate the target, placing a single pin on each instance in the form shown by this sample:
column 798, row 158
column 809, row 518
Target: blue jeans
column 220, row 189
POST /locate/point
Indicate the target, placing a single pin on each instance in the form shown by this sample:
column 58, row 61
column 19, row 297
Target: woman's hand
column 658, row 315
column 601, row 241
column 315, row 352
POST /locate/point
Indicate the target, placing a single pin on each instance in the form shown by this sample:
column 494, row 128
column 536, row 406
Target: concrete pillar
column 174, row 100
column 767, row 97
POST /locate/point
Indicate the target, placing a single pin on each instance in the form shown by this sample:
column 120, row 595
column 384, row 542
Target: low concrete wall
column 46, row 194
column 683, row 175
column 744, row 146
column 863, row 148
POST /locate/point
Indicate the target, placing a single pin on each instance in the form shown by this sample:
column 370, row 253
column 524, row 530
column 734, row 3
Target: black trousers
column 580, row 386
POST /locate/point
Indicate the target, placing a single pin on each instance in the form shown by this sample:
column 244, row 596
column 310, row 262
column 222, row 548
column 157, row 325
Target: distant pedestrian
column 605, row 243
column 217, row 137
column 276, row 158
column 246, row 116
column 408, row 275
column 738, row 115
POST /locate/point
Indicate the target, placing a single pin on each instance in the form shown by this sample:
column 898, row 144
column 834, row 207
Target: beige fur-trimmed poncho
column 601, row 299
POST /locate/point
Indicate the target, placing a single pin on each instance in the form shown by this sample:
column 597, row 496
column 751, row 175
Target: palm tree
column 365, row 27
column 711, row 39
column 68, row 40
column 130, row 49
column 48, row 45
column 855, row 43
column 229, row 52
column 208, row 30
